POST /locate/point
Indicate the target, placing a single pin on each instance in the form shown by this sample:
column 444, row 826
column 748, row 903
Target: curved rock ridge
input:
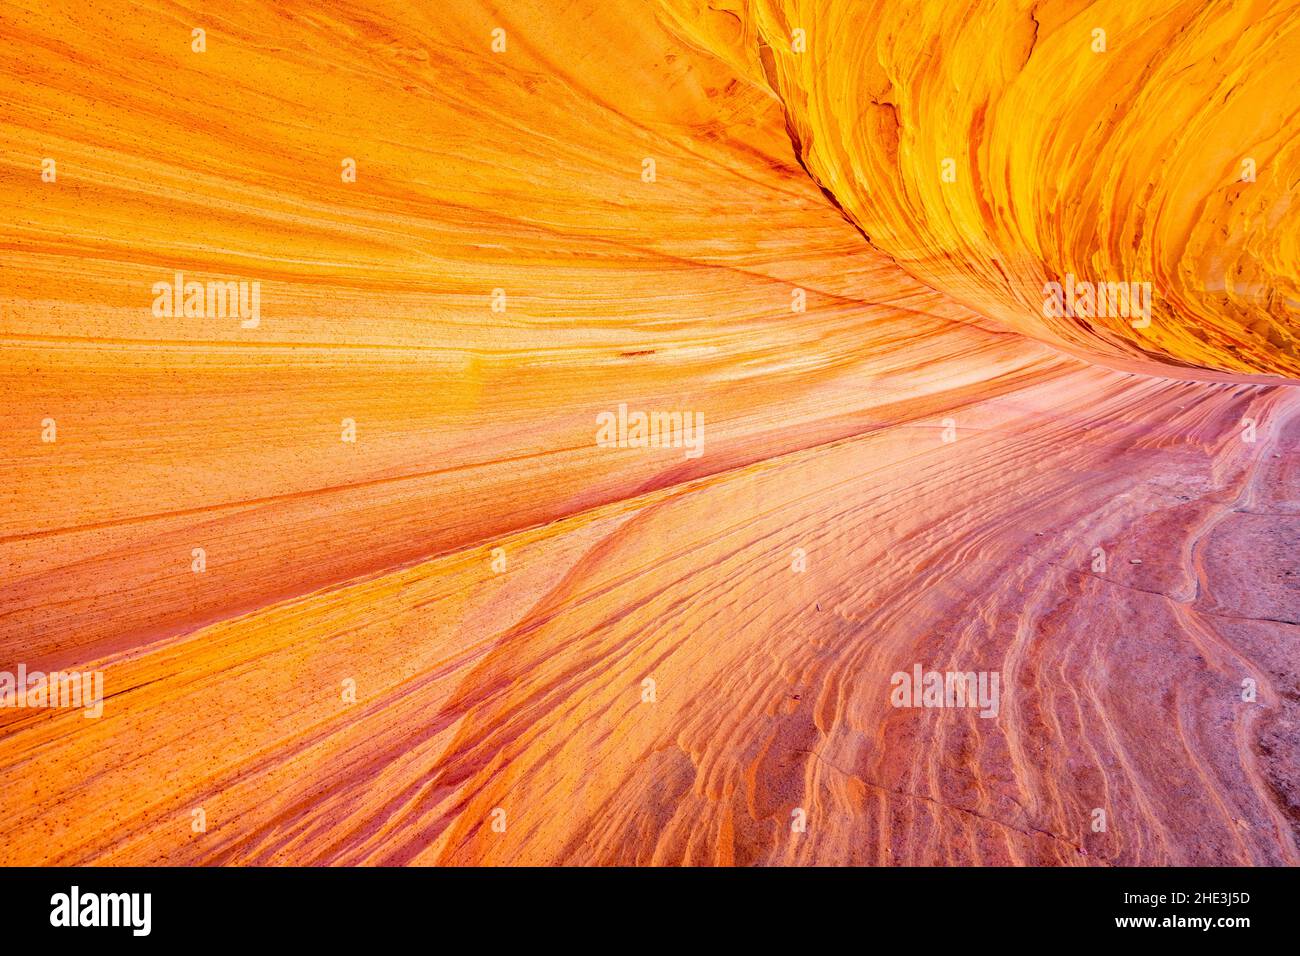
column 992, row 148
column 366, row 585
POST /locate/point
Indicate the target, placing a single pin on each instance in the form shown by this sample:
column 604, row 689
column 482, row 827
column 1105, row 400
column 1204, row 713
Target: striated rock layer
column 990, row 146
column 473, row 635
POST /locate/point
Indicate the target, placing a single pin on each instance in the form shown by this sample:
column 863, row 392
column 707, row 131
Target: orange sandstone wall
column 365, row 589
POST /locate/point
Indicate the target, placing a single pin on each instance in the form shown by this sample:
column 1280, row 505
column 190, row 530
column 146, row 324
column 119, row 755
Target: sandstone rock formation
column 473, row 636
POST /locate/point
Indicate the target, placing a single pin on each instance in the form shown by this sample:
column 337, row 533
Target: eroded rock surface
column 918, row 468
